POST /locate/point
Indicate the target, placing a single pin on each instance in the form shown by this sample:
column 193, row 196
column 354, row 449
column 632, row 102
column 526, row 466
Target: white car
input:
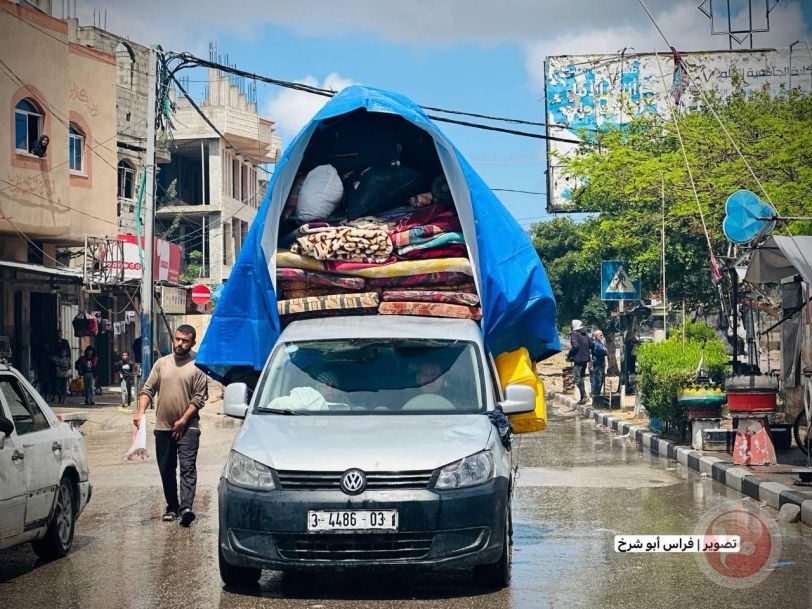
column 44, row 483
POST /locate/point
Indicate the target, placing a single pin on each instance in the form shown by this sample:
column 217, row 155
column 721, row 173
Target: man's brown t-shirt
column 173, row 384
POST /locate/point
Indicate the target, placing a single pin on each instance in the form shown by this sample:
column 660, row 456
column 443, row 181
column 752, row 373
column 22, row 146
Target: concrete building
column 218, row 182
column 50, row 84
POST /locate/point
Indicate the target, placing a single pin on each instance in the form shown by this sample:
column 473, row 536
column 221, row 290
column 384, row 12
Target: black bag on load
column 378, row 189
column 352, row 144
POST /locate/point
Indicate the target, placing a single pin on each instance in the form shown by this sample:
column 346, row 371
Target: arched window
column 76, row 148
column 27, row 125
column 126, row 181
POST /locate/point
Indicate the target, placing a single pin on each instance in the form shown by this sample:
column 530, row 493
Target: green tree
column 573, row 277
column 194, row 267
column 626, row 171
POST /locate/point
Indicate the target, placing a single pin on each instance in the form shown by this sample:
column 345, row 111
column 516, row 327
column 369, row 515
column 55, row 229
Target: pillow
column 320, row 196
column 378, row 189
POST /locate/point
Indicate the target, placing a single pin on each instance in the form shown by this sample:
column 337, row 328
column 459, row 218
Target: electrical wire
column 187, row 60
column 523, row 192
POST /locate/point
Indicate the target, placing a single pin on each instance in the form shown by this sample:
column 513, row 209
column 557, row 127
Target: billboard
column 601, row 91
column 166, row 259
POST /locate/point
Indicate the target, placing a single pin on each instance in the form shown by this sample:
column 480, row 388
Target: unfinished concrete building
column 213, row 186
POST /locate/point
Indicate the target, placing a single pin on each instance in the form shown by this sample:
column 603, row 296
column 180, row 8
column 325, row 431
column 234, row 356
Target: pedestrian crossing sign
column 616, row 283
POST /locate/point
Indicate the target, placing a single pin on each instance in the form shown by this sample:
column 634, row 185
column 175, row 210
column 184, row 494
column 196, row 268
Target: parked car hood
column 371, row 443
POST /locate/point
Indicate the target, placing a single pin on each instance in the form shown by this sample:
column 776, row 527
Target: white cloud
column 292, row 109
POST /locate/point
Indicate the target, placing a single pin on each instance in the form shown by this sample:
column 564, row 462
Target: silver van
column 370, row 441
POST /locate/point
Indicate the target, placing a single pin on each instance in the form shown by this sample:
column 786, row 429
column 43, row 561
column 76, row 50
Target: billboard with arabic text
column 600, row 91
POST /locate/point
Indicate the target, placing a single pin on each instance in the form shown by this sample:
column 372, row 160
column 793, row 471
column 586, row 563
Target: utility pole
column 147, row 282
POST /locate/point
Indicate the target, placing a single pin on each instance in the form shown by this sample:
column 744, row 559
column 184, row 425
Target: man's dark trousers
column 578, row 374
column 168, row 453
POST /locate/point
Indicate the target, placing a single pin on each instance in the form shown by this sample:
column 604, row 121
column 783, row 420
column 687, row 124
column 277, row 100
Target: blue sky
column 471, row 55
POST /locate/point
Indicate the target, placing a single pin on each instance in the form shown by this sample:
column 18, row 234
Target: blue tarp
column 518, row 307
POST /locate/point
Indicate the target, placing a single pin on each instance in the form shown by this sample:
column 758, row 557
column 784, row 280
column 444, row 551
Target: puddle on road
column 627, row 477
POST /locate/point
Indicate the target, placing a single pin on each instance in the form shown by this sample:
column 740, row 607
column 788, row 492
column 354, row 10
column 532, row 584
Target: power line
column 12, row 185
column 524, row 192
column 187, row 60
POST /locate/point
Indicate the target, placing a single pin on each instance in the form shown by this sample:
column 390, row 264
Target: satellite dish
column 742, row 223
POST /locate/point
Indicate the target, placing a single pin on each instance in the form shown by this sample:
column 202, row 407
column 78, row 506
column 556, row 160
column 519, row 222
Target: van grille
column 377, row 481
column 349, row 546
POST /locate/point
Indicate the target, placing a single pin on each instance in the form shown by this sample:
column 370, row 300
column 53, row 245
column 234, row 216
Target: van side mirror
column 518, row 399
column 235, row 400
column 6, row 427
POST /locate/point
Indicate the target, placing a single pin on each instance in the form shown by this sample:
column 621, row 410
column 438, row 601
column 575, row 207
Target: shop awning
column 62, row 274
column 781, row 257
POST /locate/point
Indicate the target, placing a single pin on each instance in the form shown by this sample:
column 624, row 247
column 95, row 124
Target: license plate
column 352, row 520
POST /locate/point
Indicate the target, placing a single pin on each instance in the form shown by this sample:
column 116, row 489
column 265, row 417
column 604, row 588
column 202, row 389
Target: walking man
column 599, row 354
column 579, row 355
column 126, row 373
column 179, row 390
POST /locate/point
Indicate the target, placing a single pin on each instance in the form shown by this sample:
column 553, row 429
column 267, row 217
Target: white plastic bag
column 321, row 194
column 139, row 443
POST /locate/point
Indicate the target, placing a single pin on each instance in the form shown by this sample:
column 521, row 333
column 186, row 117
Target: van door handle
column 17, row 456
column 56, row 446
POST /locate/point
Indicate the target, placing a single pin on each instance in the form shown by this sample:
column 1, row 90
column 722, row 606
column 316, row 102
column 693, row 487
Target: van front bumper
column 436, row 529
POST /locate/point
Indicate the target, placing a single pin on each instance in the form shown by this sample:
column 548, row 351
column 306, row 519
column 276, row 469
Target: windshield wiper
column 283, row 411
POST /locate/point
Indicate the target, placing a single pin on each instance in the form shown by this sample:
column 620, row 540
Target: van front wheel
column 234, row 576
column 498, row 574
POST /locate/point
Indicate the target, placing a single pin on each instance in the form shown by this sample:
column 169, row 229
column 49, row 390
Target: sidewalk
column 771, row 484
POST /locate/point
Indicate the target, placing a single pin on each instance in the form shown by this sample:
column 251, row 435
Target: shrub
column 665, row 366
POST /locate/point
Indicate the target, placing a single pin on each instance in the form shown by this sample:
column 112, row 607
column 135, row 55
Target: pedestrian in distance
column 179, row 390
column 63, row 374
column 126, row 375
column 598, row 365
column 580, row 356
column 86, row 366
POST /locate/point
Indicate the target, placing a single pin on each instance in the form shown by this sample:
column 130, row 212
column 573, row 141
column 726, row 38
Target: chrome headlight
column 469, row 471
column 247, row 473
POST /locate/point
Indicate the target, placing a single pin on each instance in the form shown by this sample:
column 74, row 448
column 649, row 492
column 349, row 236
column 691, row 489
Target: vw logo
column 353, row 482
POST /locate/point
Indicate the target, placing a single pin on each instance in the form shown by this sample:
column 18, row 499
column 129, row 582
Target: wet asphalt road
column 578, row 487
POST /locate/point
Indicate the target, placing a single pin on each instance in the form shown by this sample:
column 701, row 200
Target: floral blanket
column 430, row 309
column 321, row 279
column 368, row 245
column 459, row 298
column 399, row 268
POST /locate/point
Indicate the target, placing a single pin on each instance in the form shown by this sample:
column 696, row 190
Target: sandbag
column 378, row 189
column 321, row 194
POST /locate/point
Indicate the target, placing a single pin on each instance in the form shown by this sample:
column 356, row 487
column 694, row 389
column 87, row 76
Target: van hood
column 386, row 443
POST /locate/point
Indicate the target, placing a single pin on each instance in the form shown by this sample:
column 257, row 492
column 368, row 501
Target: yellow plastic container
column 517, row 368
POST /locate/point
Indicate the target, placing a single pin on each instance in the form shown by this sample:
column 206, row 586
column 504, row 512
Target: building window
column 76, row 148
column 27, row 125
column 126, row 181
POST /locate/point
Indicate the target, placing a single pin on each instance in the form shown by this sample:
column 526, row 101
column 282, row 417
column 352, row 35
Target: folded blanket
column 399, row 268
column 288, row 293
column 452, row 250
column 425, row 243
column 459, row 298
column 421, row 200
column 345, row 243
column 332, row 302
column 430, row 309
column 457, row 280
column 304, row 229
column 316, row 278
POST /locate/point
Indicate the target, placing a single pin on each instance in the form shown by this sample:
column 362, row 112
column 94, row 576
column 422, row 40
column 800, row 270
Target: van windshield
column 373, row 376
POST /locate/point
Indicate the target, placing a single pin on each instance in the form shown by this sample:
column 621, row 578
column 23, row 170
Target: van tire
column 497, row 575
column 58, row 538
column 237, row 577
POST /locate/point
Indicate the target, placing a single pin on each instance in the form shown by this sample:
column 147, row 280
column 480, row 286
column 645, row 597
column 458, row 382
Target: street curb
column 739, row 479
